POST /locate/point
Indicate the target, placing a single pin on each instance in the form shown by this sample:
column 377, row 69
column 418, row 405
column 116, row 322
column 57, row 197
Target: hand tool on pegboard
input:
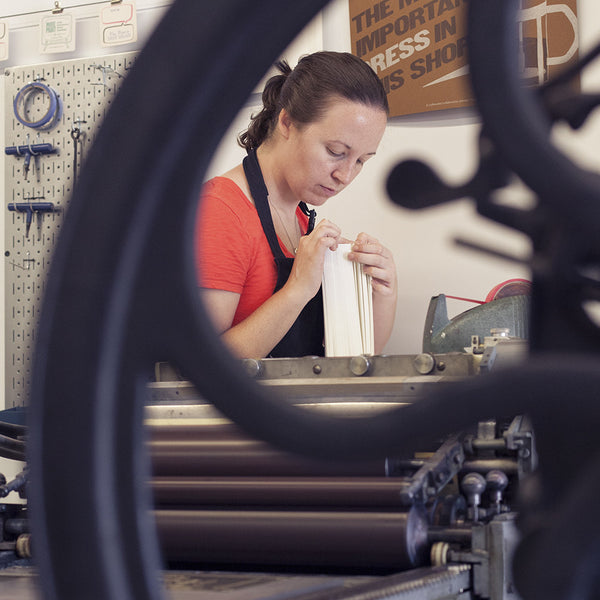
column 29, row 209
column 29, row 150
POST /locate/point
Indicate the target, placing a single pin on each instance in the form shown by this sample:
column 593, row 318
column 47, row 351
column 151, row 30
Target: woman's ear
column 284, row 123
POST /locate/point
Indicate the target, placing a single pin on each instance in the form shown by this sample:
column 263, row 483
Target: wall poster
column 419, row 48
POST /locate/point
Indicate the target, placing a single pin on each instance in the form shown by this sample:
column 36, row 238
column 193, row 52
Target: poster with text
column 418, row 48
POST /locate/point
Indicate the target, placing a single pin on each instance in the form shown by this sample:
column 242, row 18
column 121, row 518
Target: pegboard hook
column 57, row 8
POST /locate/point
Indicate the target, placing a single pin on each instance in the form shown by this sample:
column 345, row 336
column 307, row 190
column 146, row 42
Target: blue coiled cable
column 53, row 113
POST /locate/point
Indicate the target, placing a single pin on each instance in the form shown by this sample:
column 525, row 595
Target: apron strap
column 260, row 195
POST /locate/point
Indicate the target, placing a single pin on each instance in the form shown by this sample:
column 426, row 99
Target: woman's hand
column 307, row 272
column 378, row 262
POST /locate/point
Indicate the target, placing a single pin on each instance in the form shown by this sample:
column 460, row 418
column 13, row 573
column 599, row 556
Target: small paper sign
column 3, row 41
column 118, row 24
column 57, row 34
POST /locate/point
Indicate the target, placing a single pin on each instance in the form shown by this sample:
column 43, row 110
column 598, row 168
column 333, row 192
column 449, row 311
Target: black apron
column 305, row 337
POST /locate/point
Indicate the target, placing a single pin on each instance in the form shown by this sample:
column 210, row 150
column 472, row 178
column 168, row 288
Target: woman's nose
column 344, row 173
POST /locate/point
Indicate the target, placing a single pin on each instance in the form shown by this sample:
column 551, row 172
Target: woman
column 259, row 258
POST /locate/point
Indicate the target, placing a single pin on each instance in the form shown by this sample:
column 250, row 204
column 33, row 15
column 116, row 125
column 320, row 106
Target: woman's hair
column 306, row 92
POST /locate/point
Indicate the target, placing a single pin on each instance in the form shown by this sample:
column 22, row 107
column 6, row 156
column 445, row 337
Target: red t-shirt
column 232, row 251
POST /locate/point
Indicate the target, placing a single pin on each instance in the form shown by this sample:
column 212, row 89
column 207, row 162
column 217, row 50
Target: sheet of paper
column 3, row 40
column 118, row 24
column 57, row 33
column 347, row 306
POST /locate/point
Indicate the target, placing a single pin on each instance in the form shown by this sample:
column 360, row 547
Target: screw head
column 360, row 365
column 424, row 363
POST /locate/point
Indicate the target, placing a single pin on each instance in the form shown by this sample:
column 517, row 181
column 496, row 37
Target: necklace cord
column 293, row 247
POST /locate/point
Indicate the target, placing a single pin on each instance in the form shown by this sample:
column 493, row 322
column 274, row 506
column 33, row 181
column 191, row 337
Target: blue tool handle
column 31, row 207
column 29, row 149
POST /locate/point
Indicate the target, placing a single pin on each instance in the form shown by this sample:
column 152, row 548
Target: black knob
column 473, row 485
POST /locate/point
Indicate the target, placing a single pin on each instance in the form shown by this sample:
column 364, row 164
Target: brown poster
column 419, row 49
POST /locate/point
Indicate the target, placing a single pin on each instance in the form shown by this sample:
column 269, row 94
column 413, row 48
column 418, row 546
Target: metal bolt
column 360, row 365
column 317, row 369
column 252, row 367
column 424, row 363
column 524, row 452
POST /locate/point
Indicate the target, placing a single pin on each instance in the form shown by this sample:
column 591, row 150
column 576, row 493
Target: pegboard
column 84, row 90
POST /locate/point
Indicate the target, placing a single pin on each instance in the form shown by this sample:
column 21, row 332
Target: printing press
column 434, row 523
column 439, row 520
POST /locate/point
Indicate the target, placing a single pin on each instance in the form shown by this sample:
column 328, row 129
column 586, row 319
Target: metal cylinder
column 16, row 526
column 383, row 540
column 483, row 465
column 161, row 430
column 193, row 457
column 341, row 492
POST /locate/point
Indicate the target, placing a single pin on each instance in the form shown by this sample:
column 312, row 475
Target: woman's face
column 326, row 155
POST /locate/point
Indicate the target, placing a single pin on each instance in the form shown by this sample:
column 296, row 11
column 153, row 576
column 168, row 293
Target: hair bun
column 305, row 91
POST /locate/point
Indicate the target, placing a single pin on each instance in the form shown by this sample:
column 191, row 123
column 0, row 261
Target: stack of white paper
column 347, row 305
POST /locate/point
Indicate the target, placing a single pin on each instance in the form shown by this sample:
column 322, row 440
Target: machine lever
column 16, row 485
column 473, row 485
column 497, row 481
column 414, row 185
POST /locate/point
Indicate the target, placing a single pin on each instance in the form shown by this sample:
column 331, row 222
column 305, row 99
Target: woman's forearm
column 384, row 314
column 260, row 332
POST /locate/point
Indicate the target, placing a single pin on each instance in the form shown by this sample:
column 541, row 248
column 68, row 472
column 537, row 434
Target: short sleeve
column 222, row 244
